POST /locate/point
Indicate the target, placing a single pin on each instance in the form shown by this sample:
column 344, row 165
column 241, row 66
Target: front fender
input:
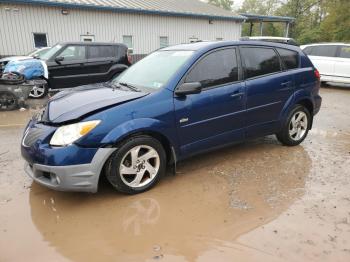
column 137, row 126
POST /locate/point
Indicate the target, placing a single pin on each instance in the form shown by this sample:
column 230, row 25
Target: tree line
column 315, row 20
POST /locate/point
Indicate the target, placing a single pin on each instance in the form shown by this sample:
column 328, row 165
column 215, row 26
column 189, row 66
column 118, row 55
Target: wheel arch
column 156, row 135
column 301, row 97
column 146, row 126
column 307, row 104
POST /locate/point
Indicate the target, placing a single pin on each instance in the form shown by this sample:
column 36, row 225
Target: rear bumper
column 80, row 178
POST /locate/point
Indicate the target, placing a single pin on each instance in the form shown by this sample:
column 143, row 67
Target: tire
column 8, row 101
column 324, row 84
column 293, row 134
column 137, row 165
column 38, row 91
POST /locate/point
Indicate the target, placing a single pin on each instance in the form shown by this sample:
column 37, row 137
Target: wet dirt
column 256, row 201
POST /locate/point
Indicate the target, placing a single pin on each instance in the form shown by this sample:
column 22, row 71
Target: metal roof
column 190, row 8
column 267, row 18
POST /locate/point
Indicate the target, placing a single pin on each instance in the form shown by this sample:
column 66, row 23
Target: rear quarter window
column 259, row 61
column 290, row 59
column 345, row 52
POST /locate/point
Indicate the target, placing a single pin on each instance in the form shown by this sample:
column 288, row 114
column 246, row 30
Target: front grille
column 32, row 135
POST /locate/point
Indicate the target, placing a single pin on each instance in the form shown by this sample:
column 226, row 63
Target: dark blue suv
column 176, row 102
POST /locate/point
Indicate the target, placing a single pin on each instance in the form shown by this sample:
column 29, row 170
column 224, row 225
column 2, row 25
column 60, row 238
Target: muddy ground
column 257, row 201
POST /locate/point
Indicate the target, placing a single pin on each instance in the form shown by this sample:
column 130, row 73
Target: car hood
column 78, row 102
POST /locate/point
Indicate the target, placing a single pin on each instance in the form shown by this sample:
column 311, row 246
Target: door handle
column 287, row 83
column 237, row 94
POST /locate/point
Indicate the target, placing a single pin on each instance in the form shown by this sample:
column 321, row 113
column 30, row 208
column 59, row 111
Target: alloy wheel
column 298, row 125
column 139, row 166
column 37, row 91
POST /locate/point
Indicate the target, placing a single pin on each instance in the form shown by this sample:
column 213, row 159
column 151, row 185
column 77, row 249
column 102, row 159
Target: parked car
column 74, row 64
column 71, row 64
column 177, row 102
column 274, row 39
column 36, row 53
column 331, row 59
column 15, row 78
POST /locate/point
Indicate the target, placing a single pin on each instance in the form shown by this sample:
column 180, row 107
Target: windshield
column 39, row 52
column 50, row 52
column 32, row 52
column 155, row 70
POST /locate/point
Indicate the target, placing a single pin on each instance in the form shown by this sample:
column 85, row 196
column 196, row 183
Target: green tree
column 308, row 16
column 336, row 24
column 225, row 4
column 261, row 7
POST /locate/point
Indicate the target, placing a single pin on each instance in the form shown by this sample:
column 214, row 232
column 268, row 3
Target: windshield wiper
column 134, row 88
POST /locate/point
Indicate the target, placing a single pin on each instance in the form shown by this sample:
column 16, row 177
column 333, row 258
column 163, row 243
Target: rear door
column 216, row 115
column 101, row 58
column 342, row 63
column 324, row 57
column 268, row 86
column 71, row 71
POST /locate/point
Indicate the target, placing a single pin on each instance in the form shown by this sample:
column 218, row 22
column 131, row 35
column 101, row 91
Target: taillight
column 129, row 59
column 317, row 74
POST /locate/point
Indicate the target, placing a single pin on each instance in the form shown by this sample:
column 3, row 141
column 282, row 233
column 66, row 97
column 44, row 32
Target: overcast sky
column 237, row 3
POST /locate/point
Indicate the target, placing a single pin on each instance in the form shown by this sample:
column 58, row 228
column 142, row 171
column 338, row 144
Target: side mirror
column 188, row 89
column 59, row 59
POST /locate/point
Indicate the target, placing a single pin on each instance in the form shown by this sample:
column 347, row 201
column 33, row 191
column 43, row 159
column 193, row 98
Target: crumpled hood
column 78, row 102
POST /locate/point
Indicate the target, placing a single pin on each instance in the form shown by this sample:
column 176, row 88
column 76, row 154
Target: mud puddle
column 257, row 201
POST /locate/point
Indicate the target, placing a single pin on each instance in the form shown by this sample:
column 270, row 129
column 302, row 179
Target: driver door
column 71, row 70
column 215, row 116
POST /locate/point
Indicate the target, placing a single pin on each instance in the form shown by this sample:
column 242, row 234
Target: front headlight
column 66, row 135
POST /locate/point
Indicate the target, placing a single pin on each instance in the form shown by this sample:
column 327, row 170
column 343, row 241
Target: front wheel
column 8, row 101
column 296, row 128
column 38, row 91
column 137, row 165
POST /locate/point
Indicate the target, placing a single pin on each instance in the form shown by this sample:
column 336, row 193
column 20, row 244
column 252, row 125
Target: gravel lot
column 257, row 201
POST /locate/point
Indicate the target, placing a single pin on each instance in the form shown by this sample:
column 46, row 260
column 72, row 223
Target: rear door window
column 345, row 52
column 217, row 68
column 260, row 61
column 324, row 50
column 104, row 51
column 290, row 59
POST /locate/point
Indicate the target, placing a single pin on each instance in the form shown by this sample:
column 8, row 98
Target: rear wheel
column 137, row 165
column 296, row 128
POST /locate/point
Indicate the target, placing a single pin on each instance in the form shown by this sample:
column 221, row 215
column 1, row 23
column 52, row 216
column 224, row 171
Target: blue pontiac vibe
column 177, row 102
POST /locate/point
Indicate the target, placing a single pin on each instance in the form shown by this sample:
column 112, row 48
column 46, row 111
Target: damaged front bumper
column 69, row 168
column 79, row 178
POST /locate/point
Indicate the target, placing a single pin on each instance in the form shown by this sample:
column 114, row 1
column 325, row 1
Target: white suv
column 331, row 59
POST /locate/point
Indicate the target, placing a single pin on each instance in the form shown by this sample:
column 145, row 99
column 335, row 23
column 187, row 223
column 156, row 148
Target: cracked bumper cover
column 80, row 178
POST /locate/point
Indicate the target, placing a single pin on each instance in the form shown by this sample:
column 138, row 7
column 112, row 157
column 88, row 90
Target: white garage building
column 144, row 25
